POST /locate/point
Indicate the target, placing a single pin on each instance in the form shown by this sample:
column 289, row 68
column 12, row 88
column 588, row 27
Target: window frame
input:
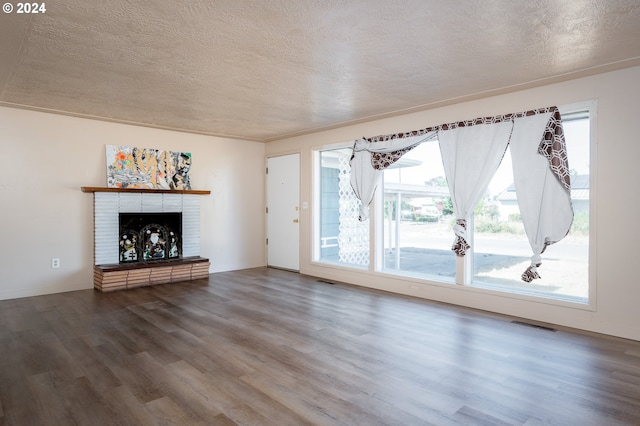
column 316, row 240
column 574, row 109
column 464, row 265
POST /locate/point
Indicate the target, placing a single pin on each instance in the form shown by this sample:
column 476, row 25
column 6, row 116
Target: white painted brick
column 108, row 205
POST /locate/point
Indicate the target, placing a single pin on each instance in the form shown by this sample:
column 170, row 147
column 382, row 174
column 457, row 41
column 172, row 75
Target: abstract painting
column 133, row 167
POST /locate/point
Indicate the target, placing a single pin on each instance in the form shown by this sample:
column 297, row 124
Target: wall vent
column 527, row 324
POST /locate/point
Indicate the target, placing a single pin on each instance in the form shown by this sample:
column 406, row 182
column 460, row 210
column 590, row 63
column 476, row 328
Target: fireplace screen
column 149, row 237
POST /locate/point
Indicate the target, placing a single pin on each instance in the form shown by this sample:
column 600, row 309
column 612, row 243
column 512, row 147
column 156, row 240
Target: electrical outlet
column 55, row 263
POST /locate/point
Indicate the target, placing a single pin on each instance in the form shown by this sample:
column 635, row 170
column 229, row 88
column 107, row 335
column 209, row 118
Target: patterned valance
column 552, row 146
column 538, row 148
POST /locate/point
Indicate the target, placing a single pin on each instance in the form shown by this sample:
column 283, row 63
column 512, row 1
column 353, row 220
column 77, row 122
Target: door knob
column 295, row 221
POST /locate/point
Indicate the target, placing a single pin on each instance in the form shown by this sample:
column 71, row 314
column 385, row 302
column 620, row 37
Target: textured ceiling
column 267, row 69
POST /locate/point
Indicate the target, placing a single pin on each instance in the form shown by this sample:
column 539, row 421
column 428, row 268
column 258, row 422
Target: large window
column 418, row 216
column 500, row 247
column 414, row 224
column 341, row 238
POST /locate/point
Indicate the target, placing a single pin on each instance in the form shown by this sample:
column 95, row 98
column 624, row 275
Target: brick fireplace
column 165, row 251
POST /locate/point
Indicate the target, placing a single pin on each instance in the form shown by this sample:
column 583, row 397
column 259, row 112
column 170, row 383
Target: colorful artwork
column 132, row 167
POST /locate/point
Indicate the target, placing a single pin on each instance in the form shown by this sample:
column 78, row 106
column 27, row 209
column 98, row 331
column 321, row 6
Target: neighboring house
column 579, row 197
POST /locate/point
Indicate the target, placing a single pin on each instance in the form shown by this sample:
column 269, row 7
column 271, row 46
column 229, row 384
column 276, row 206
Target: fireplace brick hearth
column 120, row 277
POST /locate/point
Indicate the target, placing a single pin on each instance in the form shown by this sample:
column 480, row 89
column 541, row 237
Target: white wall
column 47, row 158
column 615, row 201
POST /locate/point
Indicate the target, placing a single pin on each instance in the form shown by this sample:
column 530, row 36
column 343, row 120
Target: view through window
column 500, row 246
column 416, row 231
column 418, row 215
column 342, row 237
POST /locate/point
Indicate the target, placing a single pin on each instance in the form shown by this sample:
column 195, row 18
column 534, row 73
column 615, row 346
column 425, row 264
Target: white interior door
column 283, row 212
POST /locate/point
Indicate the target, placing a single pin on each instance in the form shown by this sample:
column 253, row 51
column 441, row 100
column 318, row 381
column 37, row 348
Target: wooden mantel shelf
column 94, row 189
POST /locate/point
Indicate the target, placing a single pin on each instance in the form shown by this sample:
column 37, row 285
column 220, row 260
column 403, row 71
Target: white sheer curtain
column 471, row 155
column 366, row 174
column 472, row 151
column 544, row 200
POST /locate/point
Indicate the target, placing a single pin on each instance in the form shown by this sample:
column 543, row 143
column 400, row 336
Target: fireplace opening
column 150, row 237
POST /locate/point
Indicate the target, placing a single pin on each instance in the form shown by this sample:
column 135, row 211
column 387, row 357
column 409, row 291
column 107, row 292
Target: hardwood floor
column 270, row 347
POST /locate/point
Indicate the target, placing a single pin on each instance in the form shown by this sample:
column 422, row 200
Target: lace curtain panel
column 471, row 153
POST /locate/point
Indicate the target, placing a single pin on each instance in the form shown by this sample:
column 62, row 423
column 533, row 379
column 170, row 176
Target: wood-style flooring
column 270, row 347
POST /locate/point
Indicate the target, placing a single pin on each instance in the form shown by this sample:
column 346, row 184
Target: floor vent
column 325, row 282
column 542, row 327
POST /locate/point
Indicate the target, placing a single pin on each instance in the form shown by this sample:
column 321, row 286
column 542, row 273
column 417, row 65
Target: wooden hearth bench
column 125, row 276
